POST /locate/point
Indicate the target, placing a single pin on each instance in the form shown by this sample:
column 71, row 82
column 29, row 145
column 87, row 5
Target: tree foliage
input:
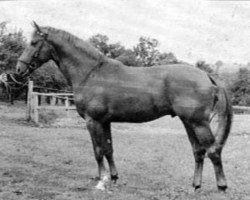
column 167, row 58
column 240, row 89
column 145, row 53
column 204, row 66
column 101, row 42
column 11, row 47
column 128, row 57
column 49, row 76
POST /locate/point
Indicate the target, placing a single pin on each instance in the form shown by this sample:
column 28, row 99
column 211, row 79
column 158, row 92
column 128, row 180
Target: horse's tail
column 223, row 110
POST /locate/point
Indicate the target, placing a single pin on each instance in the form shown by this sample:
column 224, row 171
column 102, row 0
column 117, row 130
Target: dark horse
column 107, row 91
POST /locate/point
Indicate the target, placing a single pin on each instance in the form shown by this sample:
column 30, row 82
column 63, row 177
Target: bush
column 240, row 88
column 11, row 47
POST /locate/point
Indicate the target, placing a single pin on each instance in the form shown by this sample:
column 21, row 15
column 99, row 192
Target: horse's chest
column 91, row 104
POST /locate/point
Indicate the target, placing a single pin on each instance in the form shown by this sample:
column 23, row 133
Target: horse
column 107, row 91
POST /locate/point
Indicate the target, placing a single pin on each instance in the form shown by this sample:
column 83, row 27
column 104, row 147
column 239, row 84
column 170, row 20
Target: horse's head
column 38, row 52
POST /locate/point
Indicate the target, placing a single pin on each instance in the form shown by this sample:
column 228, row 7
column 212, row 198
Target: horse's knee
column 108, row 151
column 98, row 153
column 199, row 155
column 108, row 147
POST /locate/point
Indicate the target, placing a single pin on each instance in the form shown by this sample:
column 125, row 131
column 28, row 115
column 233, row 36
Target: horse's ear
column 36, row 26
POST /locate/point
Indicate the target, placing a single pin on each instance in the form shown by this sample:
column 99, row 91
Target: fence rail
column 241, row 109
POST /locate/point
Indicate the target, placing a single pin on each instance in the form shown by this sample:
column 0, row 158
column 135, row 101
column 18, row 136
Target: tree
column 49, row 76
column 129, row 58
column 11, row 47
column 146, row 51
column 101, row 42
column 167, row 58
column 204, row 66
column 115, row 50
column 218, row 65
column 241, row 88
column 3, row 27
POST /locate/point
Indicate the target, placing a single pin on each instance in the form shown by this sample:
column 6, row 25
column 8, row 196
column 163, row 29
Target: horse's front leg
column 109, row 151
column 96, row 130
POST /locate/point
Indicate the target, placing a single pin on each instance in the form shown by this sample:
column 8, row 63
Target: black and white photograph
column 124, row 100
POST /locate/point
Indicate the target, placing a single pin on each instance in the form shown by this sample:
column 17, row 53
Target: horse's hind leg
column 199, row 155
column 214, row 153
column 207, row 140
column 109, row 151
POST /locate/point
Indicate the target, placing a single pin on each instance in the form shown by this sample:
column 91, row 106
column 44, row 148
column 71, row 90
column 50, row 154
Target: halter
column 31, row 66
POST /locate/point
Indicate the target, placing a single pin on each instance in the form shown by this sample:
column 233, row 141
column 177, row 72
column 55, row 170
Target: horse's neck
column 74, row 64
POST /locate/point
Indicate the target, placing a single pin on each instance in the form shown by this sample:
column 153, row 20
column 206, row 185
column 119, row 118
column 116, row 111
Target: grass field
column 154, row 161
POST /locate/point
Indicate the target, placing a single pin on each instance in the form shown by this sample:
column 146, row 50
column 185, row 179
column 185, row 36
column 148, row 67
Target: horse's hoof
column 100, row 186
column 222, row 188
column 114, row 178
column 197, row 187
column 102, row 183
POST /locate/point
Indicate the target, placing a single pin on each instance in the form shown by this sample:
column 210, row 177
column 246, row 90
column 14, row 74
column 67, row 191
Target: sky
column 193, row 30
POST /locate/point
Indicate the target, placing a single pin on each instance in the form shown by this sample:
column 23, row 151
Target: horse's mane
column 76, row 42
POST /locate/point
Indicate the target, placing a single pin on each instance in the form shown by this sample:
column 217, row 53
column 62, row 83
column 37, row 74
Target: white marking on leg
column 101, row 184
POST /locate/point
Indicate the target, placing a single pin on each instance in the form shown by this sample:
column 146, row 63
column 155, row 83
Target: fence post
column 30, row 91
column 34, row 107
column 67, row 106
column 53, row 102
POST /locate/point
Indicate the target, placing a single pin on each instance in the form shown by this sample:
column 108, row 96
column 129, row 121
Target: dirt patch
column 154, row 161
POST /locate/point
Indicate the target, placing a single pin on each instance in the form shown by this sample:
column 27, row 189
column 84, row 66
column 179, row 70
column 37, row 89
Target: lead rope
column 4, row 79
column 18, row 82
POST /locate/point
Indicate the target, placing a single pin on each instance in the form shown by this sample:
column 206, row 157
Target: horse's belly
column 137, row 111
column 135, row 117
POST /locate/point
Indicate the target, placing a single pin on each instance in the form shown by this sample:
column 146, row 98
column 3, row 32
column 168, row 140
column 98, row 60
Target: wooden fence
column 241, row 109
column 34, row 107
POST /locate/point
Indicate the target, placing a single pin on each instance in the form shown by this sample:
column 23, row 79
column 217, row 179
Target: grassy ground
column 154, row 161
